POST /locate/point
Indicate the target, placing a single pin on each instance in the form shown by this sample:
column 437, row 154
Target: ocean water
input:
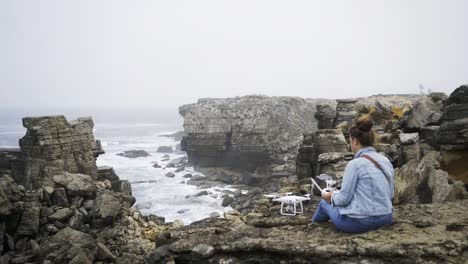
column 155, row 193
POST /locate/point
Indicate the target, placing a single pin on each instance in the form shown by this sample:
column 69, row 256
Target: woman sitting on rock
column 365, row 200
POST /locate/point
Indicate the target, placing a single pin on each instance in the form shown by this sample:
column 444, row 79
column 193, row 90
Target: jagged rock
column 107, row 173
column 69, row 245
column 76, row 184
column 188, row 175
column 459, row 95
column 5, row 205
column 227, row 200
column 345, row 114
column 409, row 138
column 326, row 115
column 29, row 223
column 428, row 134
column 61, row 215
column 409, row 152
column 122, row 186
column 156, row 165
column 453, row 135
column 77, row 220
column 314, row 144
column 423, row 182
column 424, row 113
column 105, row 208
column 133, row 154
column 52, row 145
column 104, row 253
column 11, row 190
column 333, row 164
column 165, row 149
column 59, row 197
column 130, row 258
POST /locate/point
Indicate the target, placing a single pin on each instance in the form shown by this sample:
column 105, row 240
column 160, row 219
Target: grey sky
column 166, row 53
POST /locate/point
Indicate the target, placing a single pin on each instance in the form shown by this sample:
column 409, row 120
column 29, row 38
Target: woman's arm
column 344, row 196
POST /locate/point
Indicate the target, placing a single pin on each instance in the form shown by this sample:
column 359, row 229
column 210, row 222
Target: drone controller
column 330, row 183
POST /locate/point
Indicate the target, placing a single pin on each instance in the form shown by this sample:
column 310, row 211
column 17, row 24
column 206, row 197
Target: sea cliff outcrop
column 246, row 132
column 57, row 206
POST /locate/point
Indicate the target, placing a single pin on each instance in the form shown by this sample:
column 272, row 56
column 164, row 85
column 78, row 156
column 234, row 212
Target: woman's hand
column 327, row 196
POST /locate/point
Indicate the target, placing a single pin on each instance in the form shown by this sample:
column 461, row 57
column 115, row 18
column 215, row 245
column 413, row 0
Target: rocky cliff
column 246, row 132
column 57, row 206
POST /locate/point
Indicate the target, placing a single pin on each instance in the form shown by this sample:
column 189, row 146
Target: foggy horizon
column 160, row 55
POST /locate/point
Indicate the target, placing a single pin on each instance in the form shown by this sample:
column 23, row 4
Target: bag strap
column 369, row 158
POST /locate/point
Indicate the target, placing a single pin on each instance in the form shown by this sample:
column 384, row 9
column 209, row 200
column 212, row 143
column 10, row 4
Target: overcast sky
column 110, row 53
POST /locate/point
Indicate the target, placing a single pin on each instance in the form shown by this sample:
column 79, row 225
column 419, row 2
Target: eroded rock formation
column 71, row 211
column 246, row 132
column 53, row 145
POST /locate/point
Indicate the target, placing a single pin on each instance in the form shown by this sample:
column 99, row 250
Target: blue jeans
column 326, row 211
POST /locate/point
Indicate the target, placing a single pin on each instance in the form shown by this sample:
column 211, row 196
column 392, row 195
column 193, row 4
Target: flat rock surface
column 431, row 233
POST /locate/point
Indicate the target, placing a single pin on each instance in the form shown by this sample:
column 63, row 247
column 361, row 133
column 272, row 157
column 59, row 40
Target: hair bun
column 364, row 124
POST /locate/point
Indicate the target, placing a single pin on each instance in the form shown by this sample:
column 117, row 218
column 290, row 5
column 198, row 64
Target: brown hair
column 362, row 131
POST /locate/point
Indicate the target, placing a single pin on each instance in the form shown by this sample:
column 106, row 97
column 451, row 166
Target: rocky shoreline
column 58, row 206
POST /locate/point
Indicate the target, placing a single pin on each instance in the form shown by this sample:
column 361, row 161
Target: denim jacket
column 365, row 190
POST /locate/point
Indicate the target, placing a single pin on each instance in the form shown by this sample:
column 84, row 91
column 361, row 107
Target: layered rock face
column 424, row 140
column 53, row 145
column 245, row 132
column 71, row 211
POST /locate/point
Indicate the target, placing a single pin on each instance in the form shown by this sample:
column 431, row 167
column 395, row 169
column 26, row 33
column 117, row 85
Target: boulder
column 122, row 186
column 68, row 246
column 76, row 184
column 202, row 251
column 227, row 200
column 133, row 154
column 424, row 113
column 423, row 182
column 104, row 253
column 453, row 135
column 325, row 115
column 180, row 169
column 29, row 223
column 105, row 208
column 165, row 149
column 459, row 95
column 61, row 215
column 170, row 175
column 107, row 173
column 409, row 138
column 59, row 197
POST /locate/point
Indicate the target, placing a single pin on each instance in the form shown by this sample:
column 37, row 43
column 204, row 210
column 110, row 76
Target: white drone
column 290, row 204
